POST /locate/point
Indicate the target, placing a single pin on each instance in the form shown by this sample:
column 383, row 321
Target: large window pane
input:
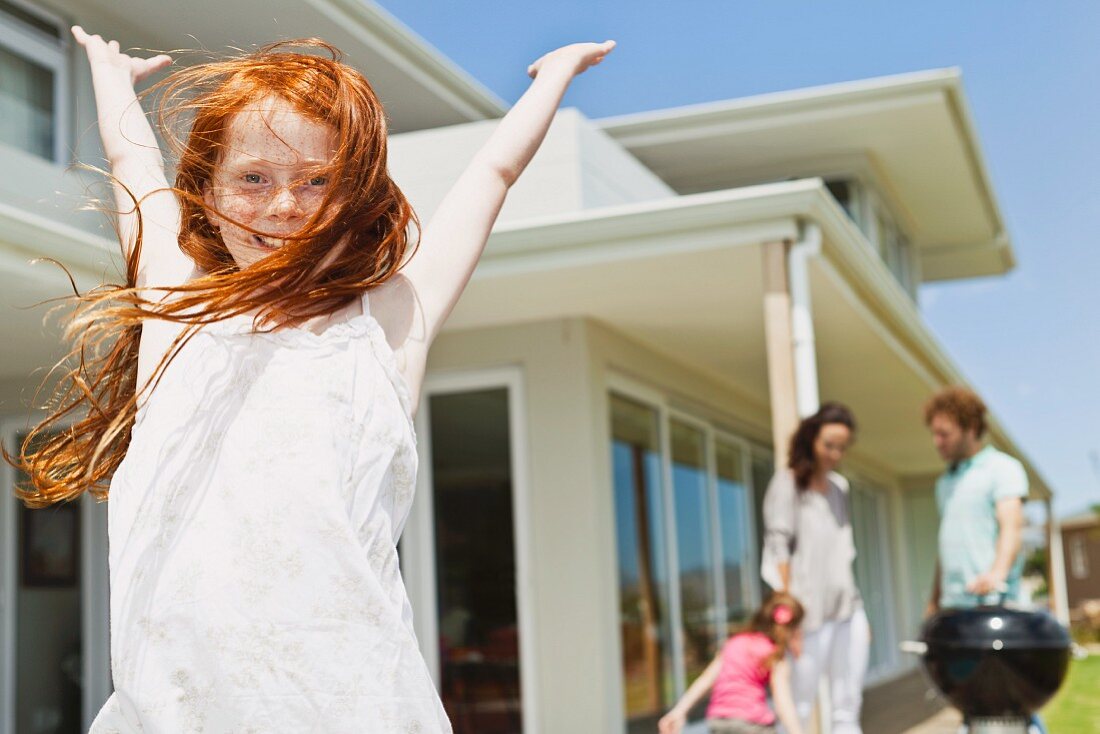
column 762, row 467
column 26, row 104
column 871, row 569
column 475, row 562
column 698, row 613
column 733, row 504
column 643, row 572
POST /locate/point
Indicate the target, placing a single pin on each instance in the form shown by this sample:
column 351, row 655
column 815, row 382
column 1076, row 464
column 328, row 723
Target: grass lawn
column 1076, row 708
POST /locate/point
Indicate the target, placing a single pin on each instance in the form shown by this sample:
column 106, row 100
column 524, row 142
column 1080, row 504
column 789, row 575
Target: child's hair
column 778, row 618
column 357, row 239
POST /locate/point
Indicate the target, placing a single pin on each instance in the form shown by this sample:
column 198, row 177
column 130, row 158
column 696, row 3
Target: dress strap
column 366, row 302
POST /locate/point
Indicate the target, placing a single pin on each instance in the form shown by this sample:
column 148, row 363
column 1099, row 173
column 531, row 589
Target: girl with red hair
column 246, row 396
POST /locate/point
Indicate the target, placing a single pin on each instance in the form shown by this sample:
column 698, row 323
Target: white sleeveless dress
column 253, row 526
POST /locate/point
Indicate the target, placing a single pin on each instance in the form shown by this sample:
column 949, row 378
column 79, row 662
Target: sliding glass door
column 460, row 552
column 686, row 548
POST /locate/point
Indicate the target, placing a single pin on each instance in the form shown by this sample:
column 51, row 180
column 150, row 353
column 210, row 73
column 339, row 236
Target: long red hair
column 357, row 239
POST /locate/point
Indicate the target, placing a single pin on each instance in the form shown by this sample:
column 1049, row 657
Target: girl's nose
column 284, row 204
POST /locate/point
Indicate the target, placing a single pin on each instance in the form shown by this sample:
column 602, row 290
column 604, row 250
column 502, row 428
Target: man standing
column 980, row 499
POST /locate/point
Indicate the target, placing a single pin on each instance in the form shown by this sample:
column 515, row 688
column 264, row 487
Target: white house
column 664, row 294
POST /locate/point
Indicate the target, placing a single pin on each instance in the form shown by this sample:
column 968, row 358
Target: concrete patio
column 907, row 705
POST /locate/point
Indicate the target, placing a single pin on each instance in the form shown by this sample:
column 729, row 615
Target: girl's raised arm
column 453, row 240
column 135, row 160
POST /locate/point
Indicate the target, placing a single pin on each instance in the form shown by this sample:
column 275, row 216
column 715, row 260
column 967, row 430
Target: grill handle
column 913, row 647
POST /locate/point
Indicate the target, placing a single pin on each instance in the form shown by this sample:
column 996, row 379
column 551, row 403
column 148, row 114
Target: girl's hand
column 574, row 58
column 106, row 53
column 671, row 723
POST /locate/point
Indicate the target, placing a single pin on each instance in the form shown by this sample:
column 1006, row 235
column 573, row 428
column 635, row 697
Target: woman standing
column 808, row 552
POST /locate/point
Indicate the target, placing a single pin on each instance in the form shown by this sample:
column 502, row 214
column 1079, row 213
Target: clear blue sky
column 1032, row 76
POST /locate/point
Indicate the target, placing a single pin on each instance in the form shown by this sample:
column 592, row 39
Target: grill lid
column 995, row 628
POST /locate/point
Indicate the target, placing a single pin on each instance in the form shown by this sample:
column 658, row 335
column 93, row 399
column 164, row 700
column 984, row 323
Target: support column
column 779, row 339
column 1056, row 567
column 788, row 403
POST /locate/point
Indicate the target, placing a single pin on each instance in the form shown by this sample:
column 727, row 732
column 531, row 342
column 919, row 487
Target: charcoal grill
column 997, row 665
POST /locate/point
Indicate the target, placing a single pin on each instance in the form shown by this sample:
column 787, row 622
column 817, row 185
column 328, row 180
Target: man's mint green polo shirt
column 967, row 496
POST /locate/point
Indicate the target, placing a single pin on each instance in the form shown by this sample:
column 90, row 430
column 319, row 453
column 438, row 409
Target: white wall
column 578, row 167
column 568, row 529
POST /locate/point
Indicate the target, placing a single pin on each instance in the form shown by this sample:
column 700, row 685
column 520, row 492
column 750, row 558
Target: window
column 33, row 81
column 643, row 566
column 1078, row 557
column 864, row 207
column 686, row 550
column 872, row 570
column 475, row 566
column 735, row 530
column 695, row 549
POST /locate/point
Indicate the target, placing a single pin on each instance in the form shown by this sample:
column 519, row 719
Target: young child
column 741, row 673
column 248, row 393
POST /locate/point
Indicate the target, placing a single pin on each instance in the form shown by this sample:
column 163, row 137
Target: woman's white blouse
column 253, row 526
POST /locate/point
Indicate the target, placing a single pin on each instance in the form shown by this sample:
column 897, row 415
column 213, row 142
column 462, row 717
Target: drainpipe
column 802, row 323
column 1056, row 565
column 807, row 400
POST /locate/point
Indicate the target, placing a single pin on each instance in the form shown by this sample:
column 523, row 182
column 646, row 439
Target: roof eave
column 393, row 38
column 697, row 121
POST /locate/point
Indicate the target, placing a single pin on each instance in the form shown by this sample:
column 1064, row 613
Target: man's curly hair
column 960, row 404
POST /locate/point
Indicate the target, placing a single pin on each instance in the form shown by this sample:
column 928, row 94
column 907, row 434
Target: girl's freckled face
column 272, row 177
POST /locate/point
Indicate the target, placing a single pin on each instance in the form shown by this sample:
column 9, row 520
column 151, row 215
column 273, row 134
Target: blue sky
column 1032, row 76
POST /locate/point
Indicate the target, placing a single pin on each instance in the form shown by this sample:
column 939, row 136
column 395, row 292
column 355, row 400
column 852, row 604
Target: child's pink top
column 741, row 691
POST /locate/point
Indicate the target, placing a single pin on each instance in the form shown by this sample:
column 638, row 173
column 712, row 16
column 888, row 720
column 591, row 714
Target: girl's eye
column 252, row 178
column 318, row 181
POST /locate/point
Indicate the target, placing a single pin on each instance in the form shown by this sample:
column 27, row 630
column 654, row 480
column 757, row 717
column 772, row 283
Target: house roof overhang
column 419, row 86
column 683, row 277
column 1080, row 521
column 911, row 133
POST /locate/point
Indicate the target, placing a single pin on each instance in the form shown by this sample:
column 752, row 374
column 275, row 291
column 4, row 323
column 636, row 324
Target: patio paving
column 946, row 721
column 907, row 705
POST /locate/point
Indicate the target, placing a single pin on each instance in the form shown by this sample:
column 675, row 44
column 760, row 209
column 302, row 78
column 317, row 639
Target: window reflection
column 695, row 551
column 475, row 562
column 648, row 686
column 733, row 504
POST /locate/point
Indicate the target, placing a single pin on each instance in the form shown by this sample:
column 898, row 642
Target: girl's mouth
column 264, row 243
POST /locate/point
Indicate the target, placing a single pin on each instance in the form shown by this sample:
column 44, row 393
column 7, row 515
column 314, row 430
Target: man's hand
column 987, row 583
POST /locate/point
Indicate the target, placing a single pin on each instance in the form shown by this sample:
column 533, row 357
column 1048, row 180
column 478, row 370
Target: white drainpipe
column 1056, row 584
column 805, row 377
column 802, row 322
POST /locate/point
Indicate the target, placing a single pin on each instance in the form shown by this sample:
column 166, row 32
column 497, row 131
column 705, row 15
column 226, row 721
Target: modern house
column 664, row 295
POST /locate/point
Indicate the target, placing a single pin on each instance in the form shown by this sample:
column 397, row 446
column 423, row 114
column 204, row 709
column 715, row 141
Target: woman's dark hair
column 801, row 457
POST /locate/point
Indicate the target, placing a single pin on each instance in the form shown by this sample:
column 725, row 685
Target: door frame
column 418, row 538
column 94, row 591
